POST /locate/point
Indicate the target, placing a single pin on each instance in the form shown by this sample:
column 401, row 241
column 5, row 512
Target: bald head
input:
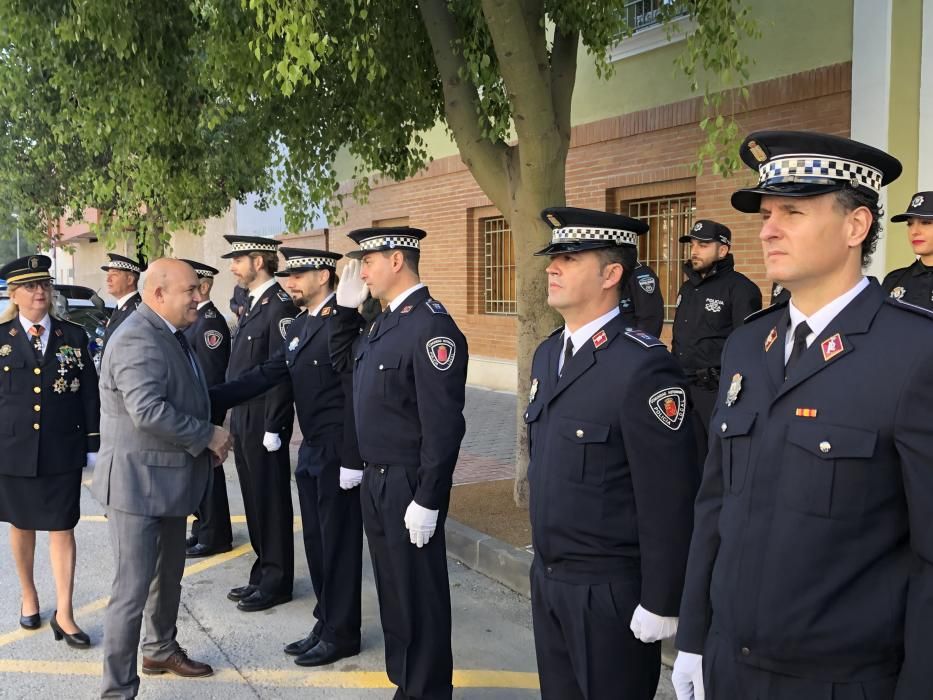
column 170, row 290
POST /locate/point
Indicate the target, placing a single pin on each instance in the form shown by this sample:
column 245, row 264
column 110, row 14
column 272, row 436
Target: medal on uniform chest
column 533, row 391
column 75, row 385
column 734, row 388
column 293, row 344
column 5, row 350
column 60, row 386
column 898, row 292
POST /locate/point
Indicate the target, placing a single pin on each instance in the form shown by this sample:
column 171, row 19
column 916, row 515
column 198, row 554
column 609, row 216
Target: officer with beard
column 712, row 302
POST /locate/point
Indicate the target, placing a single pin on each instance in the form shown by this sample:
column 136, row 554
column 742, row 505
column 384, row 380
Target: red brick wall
column 652, row 146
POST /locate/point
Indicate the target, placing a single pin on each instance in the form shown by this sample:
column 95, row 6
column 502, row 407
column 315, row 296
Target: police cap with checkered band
column 921, row 207
column 575, row 230
column 246, row 245
column 372, row 240
column 119, row 262
column 708, row 230
column 304, row 259
column 203, row 271
column 808, row 163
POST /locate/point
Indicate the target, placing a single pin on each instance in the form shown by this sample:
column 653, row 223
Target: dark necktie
column 568, row 354
column 183, row 341
column 36, row 333
column 800, row 345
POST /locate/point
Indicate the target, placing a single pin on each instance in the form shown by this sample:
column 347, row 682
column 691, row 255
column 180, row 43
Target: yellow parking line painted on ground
column 474, row 678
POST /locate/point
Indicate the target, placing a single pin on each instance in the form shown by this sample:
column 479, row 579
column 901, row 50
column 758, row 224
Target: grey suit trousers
column 150, row 559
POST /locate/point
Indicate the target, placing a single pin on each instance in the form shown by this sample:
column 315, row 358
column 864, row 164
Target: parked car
column 83, row 306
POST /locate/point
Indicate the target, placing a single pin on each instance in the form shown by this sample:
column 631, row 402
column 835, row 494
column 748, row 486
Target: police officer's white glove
column 271, row 441
column 350, row 478
column 351, row 290
column 649, row 628
column 92, row 459
column 687, row 676
column 421, row 524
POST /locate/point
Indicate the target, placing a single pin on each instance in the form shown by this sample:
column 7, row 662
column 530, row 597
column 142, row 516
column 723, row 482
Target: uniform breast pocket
column 581, row 450
column 11, row 380
column 734, row 429
column 258, row 345
column 387, row 365
column 825, row 470
column 531, row 423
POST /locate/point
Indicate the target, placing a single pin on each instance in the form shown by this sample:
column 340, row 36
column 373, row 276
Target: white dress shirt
column 819, row 320
column 46, row 323
column 397, row 301
column 584, row 333
column 258, row 292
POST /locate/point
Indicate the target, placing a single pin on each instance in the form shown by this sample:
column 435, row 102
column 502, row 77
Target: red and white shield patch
column 213, row 339
column 441, row 352
column 669, row 406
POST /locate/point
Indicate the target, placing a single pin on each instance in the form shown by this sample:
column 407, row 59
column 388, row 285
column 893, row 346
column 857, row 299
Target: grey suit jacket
column 154, row 423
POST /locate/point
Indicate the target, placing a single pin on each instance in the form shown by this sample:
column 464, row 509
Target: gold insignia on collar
column 13, row 331
column 325, row 311
column 831, row 347
column 769, row 341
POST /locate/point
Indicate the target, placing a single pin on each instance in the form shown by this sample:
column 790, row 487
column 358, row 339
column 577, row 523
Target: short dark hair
column 411, row 257
column 850, row 199
column 270, row 261
column 332, row 278
column 626, row 256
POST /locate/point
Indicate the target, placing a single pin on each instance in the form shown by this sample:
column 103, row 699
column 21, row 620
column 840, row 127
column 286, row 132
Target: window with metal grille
column 498, row 266
column 644, row 14
column 669, row 219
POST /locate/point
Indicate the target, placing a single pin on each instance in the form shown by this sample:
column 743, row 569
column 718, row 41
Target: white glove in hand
column 271, row 441
column 350, row 478
column 351, row 290
column 421, row 523
column 687, row 676
column 92, row 459
column 649, row 628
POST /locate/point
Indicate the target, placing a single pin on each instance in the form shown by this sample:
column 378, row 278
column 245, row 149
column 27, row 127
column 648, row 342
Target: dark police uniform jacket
column 409, row 378
column 812, row 550
column 120, row 314
column 49, row 409
column 913, row 284
column 613, row 467
column 209, row 336
column 322, row 394
column 642, row 304
column 708, row 309
column 258, row 337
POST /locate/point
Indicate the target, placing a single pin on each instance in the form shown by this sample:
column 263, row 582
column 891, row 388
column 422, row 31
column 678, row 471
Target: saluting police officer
column 612, row 474
column 811, row 565
column 122, row 282
column 209, row 337
column 262, row 426
column 329, row 465
column 712, row 302
column 409, row 378
column 914, row 284
column 642, row 302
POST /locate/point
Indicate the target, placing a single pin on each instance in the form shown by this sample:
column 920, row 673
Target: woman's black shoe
column 78, row 640
column 29, row 622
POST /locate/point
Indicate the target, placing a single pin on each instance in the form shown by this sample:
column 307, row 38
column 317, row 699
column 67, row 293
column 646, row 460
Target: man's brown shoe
column 179, row 664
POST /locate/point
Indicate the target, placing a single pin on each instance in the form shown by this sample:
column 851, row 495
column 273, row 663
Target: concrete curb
column 504, row 563
column 489, row 556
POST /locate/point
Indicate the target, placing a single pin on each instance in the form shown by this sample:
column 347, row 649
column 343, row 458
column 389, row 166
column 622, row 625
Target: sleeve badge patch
column 647, row 283
column 441, row 352
column 213, row 339
column 284, row 323
column 669, row 406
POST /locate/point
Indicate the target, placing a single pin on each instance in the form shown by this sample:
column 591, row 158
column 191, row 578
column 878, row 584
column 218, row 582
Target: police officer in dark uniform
column 262, row 427
column 409, row 378
column 612, row 474
column 712, row 302
column 122, row 283
column 209, row 337
column 329, row 465
column 811, row 565
column 642, row 302
column 914, row 284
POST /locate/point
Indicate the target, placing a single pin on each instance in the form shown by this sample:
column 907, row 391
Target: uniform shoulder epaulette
column 435, row 306
column 907, row 306
column 765, row 311
column 555, row 331
column 283, row 296
column 642, row 338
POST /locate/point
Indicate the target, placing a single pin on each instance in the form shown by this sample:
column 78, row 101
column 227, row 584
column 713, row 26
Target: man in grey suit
column 158, row 447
